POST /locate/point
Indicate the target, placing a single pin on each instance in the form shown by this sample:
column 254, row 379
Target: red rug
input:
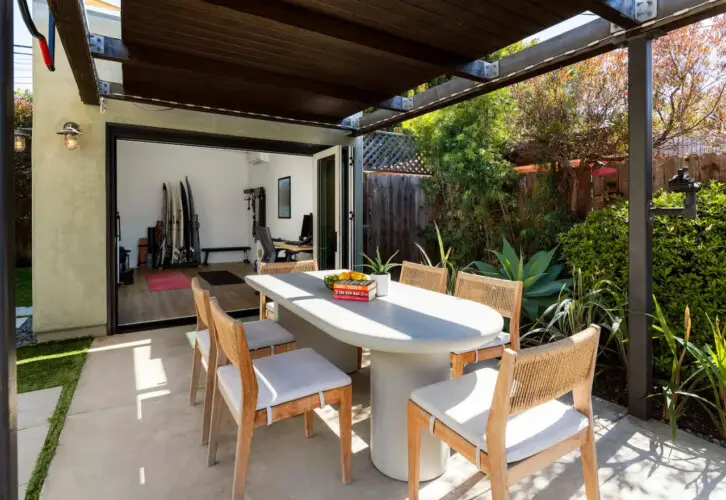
column 172, row 280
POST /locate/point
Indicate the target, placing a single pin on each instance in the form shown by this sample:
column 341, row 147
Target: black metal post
column 640, row 192
column 8, row 423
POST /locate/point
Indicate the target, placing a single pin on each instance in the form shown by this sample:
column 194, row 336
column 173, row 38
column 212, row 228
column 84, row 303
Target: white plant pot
column 382, row 283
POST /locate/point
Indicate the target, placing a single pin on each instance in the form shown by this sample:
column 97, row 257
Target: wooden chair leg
column 500, row 489
column 414, row 451
column 345, row 417
column 263, row 307
column 196, row 369
column 242, row 458
column 308, row 423
column 589, row 467
column 215, row 424
column 457, row 365
column 360, row 358
column 208, row 398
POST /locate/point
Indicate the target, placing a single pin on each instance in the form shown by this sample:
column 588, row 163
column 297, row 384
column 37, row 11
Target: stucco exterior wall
column 69, row 187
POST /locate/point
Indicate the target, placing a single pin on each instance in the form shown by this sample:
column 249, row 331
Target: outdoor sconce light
column 70, row 132
column 20, row 140
column 682, row 182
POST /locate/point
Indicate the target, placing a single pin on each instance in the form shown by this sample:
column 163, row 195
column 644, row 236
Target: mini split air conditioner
column 257, row 158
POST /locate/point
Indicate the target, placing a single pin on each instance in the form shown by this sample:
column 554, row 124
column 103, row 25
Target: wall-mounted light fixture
column 20, row 142
column 70, row 132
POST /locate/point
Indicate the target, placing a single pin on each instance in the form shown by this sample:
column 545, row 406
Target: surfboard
column 161, row 239
column 174, row 224
column 193, row 225
column 185, row 222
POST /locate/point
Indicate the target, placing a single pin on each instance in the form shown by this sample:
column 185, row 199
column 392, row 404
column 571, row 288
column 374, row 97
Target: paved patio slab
column 34, row 410
column 131, row 434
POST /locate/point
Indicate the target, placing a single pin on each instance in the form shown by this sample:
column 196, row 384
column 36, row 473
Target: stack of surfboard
column 178, row 230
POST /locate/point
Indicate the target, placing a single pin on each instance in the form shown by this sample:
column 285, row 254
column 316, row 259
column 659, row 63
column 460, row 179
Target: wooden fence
column 395, row 214
column 590, row 192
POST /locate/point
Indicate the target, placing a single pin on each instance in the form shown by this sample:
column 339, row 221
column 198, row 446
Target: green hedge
column 689, row 255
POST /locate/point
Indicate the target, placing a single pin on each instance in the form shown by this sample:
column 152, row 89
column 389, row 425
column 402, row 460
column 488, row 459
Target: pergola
column 321, row 63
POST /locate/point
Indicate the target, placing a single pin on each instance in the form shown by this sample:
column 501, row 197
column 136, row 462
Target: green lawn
column 23, row 286
column 41, row 367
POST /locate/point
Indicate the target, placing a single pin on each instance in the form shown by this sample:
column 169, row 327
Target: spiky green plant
column 377, row 266
column 444, row 260
column 541, row 283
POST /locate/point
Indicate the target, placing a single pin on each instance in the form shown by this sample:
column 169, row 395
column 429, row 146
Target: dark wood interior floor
column 137, row 304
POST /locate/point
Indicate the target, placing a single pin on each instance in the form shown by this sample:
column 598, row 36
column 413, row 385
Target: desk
column 410, row 334
column 281, row 245
column 290, row 250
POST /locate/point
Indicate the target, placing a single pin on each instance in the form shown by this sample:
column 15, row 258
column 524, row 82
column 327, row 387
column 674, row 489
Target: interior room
column 186, row 211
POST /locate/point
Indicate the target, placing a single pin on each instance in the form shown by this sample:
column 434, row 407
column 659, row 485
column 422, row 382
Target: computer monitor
column 307, row 227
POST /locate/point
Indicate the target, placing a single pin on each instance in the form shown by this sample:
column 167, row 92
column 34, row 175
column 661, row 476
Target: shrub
column 689, row 255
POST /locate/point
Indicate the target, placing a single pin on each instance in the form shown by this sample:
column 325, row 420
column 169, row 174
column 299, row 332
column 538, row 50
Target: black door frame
column 140, row 133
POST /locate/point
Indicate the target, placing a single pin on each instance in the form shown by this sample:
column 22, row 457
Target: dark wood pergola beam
column 116, row 91
column 274, row 10
column 70, row 20
column 114, row 49
column 584, row 42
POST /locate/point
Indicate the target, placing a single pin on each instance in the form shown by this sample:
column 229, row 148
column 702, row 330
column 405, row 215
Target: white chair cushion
column 270, row 306
column 501, row 339
column 265, row 333
column 463, row 405
column 204, row 344
column 282, row 378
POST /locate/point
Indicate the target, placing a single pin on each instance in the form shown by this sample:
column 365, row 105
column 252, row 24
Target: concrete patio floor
column 130, row 434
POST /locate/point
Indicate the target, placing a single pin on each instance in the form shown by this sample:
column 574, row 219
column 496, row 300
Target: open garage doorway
column 183, row 205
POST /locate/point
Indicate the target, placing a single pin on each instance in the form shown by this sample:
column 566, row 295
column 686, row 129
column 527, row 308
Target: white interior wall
column 217, row 178
column 300, row 170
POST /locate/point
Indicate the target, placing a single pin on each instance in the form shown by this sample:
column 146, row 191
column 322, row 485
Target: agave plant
column 541, row 280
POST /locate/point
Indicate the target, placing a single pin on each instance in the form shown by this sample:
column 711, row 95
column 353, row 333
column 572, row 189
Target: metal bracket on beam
column 353, row 121
column 97, row 43
column 481, row 69
column 104, row 87
column 645, row 10
column 397, row 103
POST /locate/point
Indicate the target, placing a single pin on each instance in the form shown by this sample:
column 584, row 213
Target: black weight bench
column 207, row 251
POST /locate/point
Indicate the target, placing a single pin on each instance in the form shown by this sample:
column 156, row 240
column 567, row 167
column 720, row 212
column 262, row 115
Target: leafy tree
column 473, row 184
column 23, row 118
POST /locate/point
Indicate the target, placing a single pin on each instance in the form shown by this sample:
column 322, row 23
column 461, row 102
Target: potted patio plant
column 380, row 271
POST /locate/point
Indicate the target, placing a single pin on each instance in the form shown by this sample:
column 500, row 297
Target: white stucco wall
column 300, row 171
column 217, row 178
column 69, row 198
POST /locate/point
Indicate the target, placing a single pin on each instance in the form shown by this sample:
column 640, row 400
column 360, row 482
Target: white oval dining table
column 410, row 334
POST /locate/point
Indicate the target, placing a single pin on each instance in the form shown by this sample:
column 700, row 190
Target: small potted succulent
column 380, row 271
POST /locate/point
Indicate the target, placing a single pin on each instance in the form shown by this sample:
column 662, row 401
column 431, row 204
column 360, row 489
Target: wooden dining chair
column 510, row 422
column 503, row 296
column 265, row 338
column 269, row 389
column 267, row 309
column 421, row 276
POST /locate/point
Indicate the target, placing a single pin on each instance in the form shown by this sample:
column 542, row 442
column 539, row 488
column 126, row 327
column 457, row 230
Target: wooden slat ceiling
column 275, row 38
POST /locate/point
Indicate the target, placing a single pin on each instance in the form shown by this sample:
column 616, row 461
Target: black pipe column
column 8, row 424
column 640, row 193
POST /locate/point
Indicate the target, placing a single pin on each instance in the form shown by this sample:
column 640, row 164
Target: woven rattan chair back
column 201, row 304
column 503, row 296
column 232, row 342
column 540, row 374
column 426, row 277
column 300, row 266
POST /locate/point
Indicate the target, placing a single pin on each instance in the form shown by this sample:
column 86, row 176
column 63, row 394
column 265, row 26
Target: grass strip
column 24, row 286
column 41, row 367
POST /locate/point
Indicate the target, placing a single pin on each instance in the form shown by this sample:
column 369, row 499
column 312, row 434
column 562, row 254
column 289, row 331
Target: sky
column 23, row 60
